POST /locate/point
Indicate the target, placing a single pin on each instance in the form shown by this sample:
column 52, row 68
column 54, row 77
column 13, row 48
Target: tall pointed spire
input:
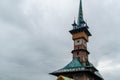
column 80, row 15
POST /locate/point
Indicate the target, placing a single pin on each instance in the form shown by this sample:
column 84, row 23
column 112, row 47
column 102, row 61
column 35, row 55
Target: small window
column 77, row 53
column 78, row 41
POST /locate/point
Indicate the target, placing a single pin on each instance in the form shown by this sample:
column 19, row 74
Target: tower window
column 77, row 53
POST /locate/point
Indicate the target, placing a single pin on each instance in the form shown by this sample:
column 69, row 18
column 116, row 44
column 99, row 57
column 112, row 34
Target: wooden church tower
column 79, row 68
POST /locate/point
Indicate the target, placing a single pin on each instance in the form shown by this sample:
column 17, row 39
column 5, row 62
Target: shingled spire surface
column 80, row 14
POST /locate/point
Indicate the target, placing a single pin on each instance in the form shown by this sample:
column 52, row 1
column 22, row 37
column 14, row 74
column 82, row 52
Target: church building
column 80, row 67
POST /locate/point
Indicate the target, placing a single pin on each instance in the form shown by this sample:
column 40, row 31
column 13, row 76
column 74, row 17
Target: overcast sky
column 34, row 37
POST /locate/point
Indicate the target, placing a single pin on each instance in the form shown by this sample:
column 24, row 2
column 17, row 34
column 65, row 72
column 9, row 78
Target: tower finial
column 80, row 15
